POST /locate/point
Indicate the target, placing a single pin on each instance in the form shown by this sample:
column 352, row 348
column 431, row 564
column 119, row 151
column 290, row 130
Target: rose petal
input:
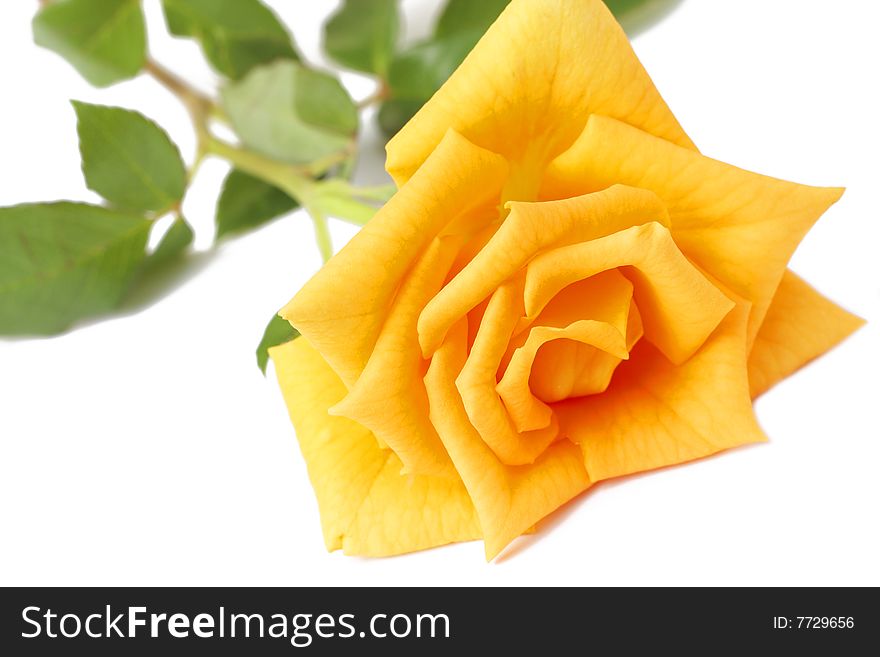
column 367, row 507
column 389, row 397
column 605, row 297
column 509, row 499
column 527, row 230
column 342, row 308
column 656, row 414
column 800, row 325
column 477, row 380
column 528, row 86
column 739, row 226
column 679, row 307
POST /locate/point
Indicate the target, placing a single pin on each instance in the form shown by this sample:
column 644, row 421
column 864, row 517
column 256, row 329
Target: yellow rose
column 563, row 290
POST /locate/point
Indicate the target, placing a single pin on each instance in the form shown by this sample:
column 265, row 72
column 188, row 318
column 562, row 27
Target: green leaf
column 105, row 40
column 62, row 262
column 166, row 267
column 279, row 331
column 320, row 100
column 420, row 70
column 362, row 35
column 417, row 72
column 171, row 248
column 128, row 159
column 468, row 16
column 394, row 113
column 247, row 202
column 637, row 15
column 291, row 113
column 235, row 35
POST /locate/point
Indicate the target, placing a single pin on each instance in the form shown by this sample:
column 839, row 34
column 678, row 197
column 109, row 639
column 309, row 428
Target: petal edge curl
column 395, row 408
column 679, row 307
column 509, row 499
column 367, row 508
column 342, row 307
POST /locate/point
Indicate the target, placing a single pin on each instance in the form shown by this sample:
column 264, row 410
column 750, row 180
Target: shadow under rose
column 557, row 517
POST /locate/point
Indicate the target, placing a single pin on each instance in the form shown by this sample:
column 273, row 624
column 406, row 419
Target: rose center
column 570, row 349
column 567, row 368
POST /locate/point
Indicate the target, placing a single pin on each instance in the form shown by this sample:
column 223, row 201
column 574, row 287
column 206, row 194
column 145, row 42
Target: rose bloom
column 563, row 290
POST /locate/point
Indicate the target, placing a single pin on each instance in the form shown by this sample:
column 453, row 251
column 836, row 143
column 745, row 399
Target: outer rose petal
column 509, row 499
column 528, row 86
column 655, row 414
column 342, row 308
column 367, row 507
column 389, row 397
column 739, row 226
column 800, row 325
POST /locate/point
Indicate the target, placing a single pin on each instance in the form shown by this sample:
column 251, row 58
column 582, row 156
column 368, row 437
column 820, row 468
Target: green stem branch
column 285, row 177
column 200, row 106
column 379, row 193
column 301, row 182
column 322, row 234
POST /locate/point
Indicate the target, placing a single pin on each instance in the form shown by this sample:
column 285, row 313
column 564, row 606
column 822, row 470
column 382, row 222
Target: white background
column 147, row 449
